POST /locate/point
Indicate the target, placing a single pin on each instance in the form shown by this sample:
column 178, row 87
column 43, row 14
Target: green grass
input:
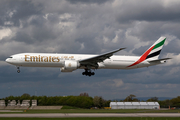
column 112, row 118
column 69, row 110
column 101, row 111
column 69, row 107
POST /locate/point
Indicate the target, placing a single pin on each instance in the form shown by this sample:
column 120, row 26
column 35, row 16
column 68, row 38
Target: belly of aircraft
column 117, row 65
column 41, row 64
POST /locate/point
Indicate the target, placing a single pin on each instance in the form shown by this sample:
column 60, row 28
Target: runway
column 63, row 115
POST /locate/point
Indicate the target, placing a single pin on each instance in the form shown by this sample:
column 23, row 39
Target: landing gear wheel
column 18, row 71
column 88, row 73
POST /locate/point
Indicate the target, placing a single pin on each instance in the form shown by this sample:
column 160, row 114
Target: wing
column 99, row 58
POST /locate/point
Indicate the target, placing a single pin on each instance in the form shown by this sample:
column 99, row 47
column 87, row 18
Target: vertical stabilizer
column 155, row 50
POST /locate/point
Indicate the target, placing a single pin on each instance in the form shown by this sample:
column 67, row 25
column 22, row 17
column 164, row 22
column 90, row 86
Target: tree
column 153, row 99
column 107, row 103
column 131, row 98
column 26, row 95
column 96, row 101
column 84, row 94
column 99, row 102
column 175, row 102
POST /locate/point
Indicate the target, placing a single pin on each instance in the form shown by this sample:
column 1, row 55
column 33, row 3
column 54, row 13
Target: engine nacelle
column 70, row 66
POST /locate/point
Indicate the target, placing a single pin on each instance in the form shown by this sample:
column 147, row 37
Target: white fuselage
column 58, row 60
column 71, row 62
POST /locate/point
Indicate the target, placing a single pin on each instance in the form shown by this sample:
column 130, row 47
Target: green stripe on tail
column 159, row 44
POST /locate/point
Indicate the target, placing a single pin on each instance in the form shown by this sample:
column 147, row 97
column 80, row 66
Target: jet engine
column 70, row 66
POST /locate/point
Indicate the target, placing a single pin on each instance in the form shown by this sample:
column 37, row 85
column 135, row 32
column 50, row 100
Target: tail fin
column 154, row 51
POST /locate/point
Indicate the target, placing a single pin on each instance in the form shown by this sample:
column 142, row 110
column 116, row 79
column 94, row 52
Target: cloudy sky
column 90, row 27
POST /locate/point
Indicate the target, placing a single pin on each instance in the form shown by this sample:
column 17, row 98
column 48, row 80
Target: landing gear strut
column 88, row 72
column 18, row 69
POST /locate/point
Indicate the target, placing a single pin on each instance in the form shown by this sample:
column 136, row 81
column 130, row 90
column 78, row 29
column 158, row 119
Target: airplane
column 88, row 62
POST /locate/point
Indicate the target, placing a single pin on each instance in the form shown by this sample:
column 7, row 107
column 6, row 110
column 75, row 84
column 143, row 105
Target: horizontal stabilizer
column 159, row 60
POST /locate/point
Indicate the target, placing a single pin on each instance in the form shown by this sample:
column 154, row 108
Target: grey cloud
column 173, row 47
column 148, row 11
column 140, row 50
column 14, row 11
column 88, row 1
column 88, row 27
column 151, row 31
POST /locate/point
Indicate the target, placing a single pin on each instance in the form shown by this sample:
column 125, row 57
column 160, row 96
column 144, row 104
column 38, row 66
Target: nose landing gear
column 88, row 73
column 18, row 70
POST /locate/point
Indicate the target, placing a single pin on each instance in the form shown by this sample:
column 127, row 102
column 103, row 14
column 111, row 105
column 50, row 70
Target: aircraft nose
column 7, row 60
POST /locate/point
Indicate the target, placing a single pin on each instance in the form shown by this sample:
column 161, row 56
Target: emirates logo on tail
column 153, row 52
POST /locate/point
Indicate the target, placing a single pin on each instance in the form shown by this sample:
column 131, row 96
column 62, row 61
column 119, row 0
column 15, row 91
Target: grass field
column 101, row 111
column 94, row 111
column 78, row 110
column 124, row 118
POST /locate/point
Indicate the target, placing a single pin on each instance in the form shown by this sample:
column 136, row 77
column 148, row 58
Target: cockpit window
column 10, row 57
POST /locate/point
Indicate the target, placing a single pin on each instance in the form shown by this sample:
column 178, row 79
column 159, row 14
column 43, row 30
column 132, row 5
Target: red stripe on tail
column 143, row 57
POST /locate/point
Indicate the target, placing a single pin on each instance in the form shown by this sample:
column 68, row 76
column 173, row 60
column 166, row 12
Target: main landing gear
column 18, row 70
column 88, row 73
